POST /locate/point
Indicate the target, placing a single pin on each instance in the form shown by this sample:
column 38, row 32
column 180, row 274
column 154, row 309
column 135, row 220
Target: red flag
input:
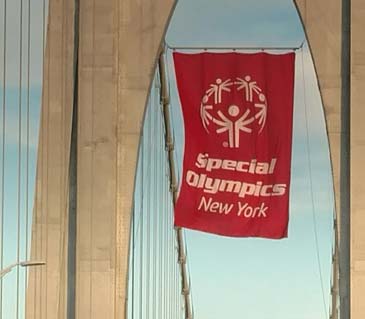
column 238, row 113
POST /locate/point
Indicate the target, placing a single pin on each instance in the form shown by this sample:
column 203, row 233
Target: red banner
column 238, row 114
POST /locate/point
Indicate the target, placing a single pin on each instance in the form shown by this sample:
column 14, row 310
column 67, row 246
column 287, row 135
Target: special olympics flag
column 238, row 115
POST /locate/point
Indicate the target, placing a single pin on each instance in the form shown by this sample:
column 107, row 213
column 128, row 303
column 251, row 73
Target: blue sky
column 11, row 188
column 13, row 96
column 258, row 278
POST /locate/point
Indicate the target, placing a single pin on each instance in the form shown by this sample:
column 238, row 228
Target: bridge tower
column 100, row 58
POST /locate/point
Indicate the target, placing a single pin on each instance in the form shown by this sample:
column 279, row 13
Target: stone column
column 46, row 293
column 119, row 44
column 322, row 20
column 357, row 136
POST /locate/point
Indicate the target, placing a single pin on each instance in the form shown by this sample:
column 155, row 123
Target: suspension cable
column 27, row 153
column 19, row 155
column 141, row 223
column 157, row 246
column 165, row 240
column 3, row 154
column 165, row 98
column 161, row 229
column 38, row 294
column 155, row 159
column 311, row 190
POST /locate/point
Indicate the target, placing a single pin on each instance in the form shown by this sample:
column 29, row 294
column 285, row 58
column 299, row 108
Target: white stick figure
column 226, row 125
column 205, row 116
column 248, row 86
column 218, row 88
column 241, row 125
column 261, row 114
column 234, row 127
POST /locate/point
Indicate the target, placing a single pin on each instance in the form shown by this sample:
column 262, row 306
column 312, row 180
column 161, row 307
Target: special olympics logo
column 245, row 114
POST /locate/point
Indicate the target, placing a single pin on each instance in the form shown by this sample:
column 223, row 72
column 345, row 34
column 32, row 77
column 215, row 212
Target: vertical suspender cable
column 42, row 156
column 27, row 154
column 141, row 222
column 132, row 253
column 157, row 214
column 191, row 288
column 173, row 181
column 345, row 163
column 311, row 193
column 3, row 156
column 38, row 208
column 334, row 314
column 139, row 234
column 155, row 199
column 165, row 240
column 176, row 288
column 133, row 262
column 334, row 286
column 171, row 259
column 157, row 231
column 149, row 214
column 151, row 207
column 47, row 182
column 168, row 257
column 19, row 156
column 177, row 291
column 165, row 226
column 161, row 229
column 133, row 247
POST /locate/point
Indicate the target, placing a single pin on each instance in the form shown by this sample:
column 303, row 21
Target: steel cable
column 155, row 291
column 43, row 175
column 19, row 156
column 155, row 199
column 27, row 154
column 160, row 230
column 3, row 153
column 311, row 190
column 142, row 227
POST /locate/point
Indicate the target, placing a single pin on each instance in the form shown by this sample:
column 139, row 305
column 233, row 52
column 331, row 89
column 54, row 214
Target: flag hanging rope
column 235, row 48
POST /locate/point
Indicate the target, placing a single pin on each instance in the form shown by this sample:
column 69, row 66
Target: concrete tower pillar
column 119, row 42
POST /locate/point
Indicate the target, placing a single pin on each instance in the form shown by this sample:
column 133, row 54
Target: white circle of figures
column 233, row 119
